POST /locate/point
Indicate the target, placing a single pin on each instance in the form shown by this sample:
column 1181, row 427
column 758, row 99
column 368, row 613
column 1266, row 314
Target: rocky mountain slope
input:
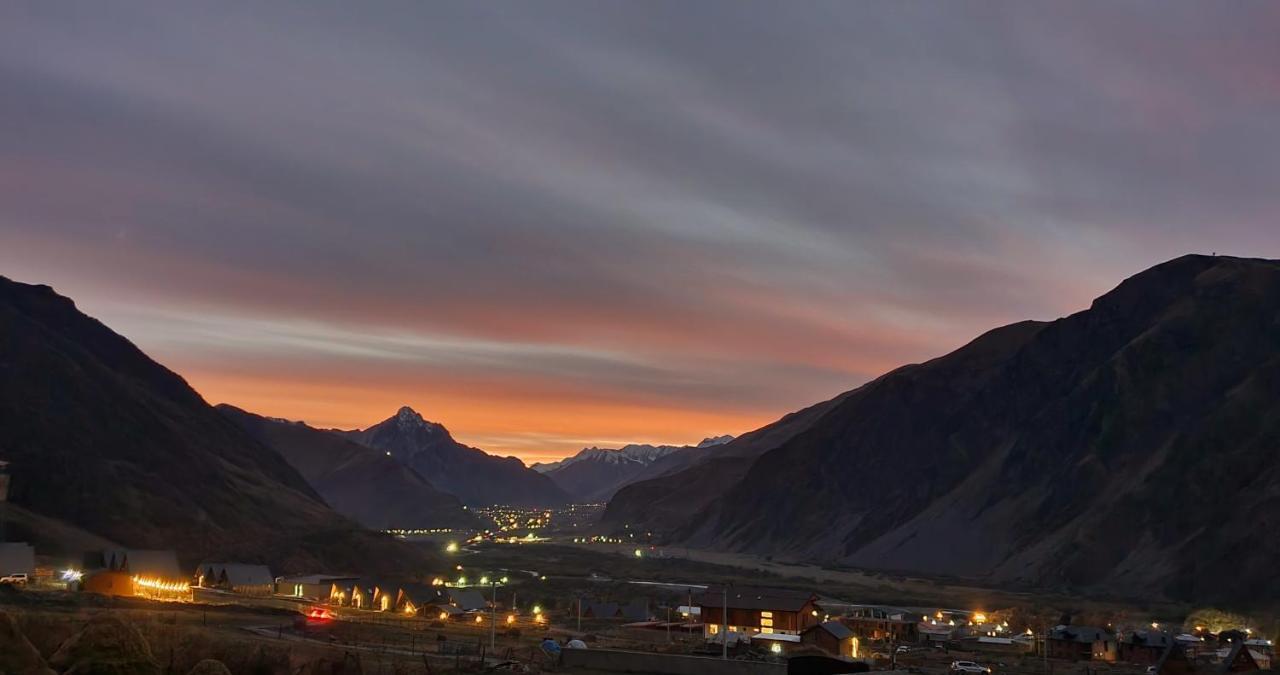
column 357, row 481
column 595, row 474
column 1130, row 448
column 102, row 438
column 477, row 478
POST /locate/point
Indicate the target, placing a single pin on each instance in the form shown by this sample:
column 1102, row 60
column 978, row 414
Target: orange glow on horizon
column 534, row 429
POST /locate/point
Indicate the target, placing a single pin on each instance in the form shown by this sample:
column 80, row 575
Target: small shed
column 832, row 637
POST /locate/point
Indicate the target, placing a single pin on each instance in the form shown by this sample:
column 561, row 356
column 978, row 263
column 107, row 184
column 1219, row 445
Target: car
column 19, row 579
column 969, row 667
column 902, row 649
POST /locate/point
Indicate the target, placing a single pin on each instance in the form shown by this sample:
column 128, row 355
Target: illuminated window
column 766, row 615
column 713, row 628
column 766, row 630
column 766, row 622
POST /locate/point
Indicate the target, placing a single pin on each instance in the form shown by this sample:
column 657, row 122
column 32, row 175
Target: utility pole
column 493, row 617
column 1044, row 649
column 579, row 613
column 724, row 625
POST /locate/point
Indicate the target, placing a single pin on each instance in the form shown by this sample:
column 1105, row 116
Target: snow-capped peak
column 715, row 440
column 642, row 454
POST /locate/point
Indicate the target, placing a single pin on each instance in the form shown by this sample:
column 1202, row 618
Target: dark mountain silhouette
column 357, row 481
column 1130, row 448
column 477, row 478
column 108, row 441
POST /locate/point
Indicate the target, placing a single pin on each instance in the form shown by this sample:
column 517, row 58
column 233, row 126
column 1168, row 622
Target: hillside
column 476, row 477
column 595, row 474
column 1129, row 448
column 357, row 481
column 104, row 439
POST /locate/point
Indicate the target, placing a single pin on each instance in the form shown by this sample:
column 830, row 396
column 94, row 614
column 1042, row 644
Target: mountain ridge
column 357, row 481
column 1127, row 448
column 471, row 474
column 101, row 437
column 594, row 474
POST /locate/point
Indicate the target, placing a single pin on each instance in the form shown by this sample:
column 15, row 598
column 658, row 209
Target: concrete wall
column 614, row 661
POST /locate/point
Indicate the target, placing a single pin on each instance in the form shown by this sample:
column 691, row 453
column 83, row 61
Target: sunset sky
column 549, row 225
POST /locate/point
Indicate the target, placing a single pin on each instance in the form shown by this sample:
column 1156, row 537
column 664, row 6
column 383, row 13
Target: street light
column 493, row 609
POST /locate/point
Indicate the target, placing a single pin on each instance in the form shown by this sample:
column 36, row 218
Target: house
column 1081, row 643
column 1146, row 647
column 362, row 593
column 313, row 587
column 17, row 558
column 445, row 612
column 881, row 623
column 241, row 578
column 1240, row 659
column 108, row 582
column 833, row 637
column 419, row 599
column 1175, row 661
column 759, row 610
column 466, row 599
column 146, row 572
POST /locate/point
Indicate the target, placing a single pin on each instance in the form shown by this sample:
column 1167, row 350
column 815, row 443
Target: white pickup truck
column 19, row 579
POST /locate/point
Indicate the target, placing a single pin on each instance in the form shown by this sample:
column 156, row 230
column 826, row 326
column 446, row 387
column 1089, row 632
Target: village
column 484, row 611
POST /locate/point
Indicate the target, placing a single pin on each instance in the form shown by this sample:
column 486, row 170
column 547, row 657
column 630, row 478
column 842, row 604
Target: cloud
column 695, row 217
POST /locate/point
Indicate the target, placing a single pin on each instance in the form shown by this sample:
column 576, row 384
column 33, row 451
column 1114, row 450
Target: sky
column 550, row 225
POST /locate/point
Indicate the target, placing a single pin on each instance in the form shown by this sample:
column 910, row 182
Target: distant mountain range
column 595, row 474
column 104, row 442
column 1128, row 449
column 474, row 476
column 357, row 481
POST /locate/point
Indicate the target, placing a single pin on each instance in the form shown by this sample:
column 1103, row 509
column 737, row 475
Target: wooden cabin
column 757, row 610
column 1144, row 647
column 1081, row 643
